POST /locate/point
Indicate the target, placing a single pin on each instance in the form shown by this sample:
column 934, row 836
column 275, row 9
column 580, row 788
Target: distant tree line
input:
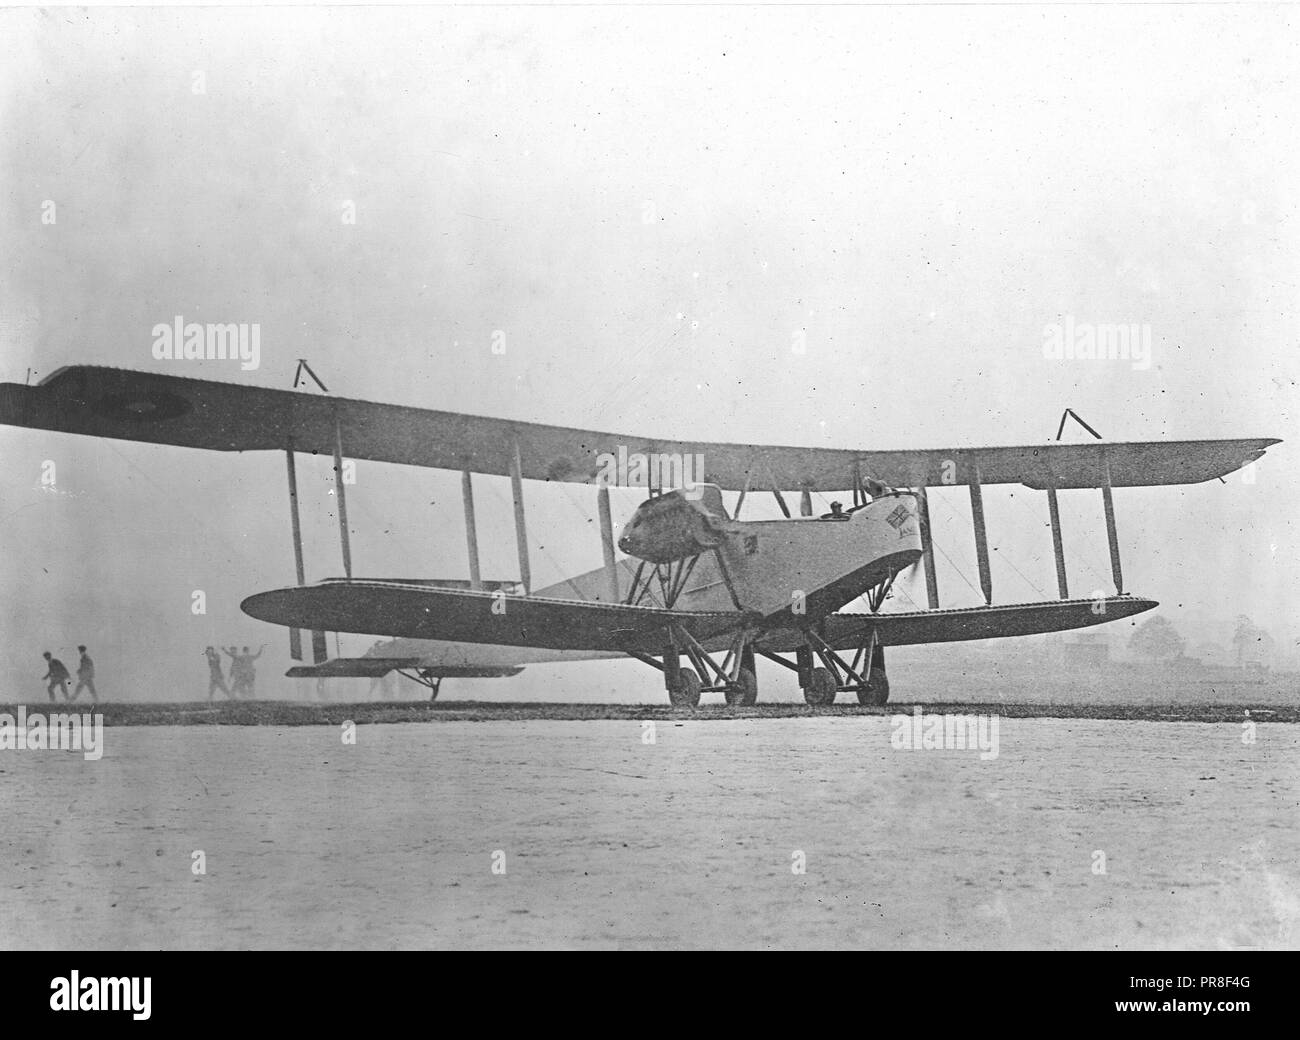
column 1157, row 640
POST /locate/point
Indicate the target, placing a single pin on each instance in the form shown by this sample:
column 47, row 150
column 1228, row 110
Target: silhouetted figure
column 236, row 669
column 85, row 676
column 58, row 676
column 836, row 513
column 216, row 681
column 242, row 673
column 250, row 673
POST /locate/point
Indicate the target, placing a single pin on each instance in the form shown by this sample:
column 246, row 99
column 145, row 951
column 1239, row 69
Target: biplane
column 698, row 593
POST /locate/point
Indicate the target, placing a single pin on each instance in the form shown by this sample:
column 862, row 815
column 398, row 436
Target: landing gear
column 735, row 678
column 823, row 673
column 835, row 674
column 876, row 693
column 819, row 684
column 743, row 693
column 687, row 692
column 821, row 688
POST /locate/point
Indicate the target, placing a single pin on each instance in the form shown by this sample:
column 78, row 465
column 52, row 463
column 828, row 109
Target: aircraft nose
column 627, row 541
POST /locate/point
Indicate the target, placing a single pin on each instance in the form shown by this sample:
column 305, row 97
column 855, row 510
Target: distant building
column 1089, row 651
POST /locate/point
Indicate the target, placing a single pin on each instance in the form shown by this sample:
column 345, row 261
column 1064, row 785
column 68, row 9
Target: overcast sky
column 655, row 207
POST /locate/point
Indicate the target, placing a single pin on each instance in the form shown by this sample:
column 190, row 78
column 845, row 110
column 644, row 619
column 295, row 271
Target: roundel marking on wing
column 143, row 406
column 560, row 469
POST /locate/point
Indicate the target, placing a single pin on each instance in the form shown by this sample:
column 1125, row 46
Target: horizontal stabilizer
column 199, row 413
column 376, row 667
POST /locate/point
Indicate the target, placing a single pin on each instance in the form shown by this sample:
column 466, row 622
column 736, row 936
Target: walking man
column 58, row 675
column 85, row 676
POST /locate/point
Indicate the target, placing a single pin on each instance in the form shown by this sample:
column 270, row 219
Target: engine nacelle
column 675, row 525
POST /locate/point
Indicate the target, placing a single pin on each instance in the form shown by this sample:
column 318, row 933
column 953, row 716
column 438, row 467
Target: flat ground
column 762, row 831
column 302, row 713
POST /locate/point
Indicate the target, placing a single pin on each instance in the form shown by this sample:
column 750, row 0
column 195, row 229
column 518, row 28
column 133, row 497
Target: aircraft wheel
column 821, row 688
column 744, row 692
column 876, row 695
column 687, row 694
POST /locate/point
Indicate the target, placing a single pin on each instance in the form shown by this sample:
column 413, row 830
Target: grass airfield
column 300, row 713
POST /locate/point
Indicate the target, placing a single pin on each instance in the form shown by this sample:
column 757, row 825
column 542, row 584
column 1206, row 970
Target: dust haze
column 654, row 208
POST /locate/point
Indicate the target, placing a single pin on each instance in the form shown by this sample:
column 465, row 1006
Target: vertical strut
column 805, row 502
column 607, row 542
column 1058, row 547
column 319, row 652
column 1112, row 535
column 749, row 476
column 981, row 535
column 726, row 577
column 803, row 657
column 295, row 635
column 672, row 663
column 927, row 550
column 343, row 503
column 521, row 528
column 471, row 528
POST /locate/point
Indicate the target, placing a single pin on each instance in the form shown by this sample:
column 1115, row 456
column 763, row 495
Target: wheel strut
column 736, row 677
column 864, row 676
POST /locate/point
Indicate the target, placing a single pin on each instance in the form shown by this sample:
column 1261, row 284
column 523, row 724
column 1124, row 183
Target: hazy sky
column 654, row 206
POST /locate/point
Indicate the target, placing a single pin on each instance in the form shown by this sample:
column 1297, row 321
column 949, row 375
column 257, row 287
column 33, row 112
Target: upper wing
column 200, row 413
column 465, row 616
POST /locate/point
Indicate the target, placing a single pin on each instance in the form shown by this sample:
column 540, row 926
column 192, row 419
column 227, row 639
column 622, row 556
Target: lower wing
column 462, row 615
column 847, row 631
column 478, row 617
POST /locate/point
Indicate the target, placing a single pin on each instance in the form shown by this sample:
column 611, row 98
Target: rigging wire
column 1085, row 556
column 953, row 563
